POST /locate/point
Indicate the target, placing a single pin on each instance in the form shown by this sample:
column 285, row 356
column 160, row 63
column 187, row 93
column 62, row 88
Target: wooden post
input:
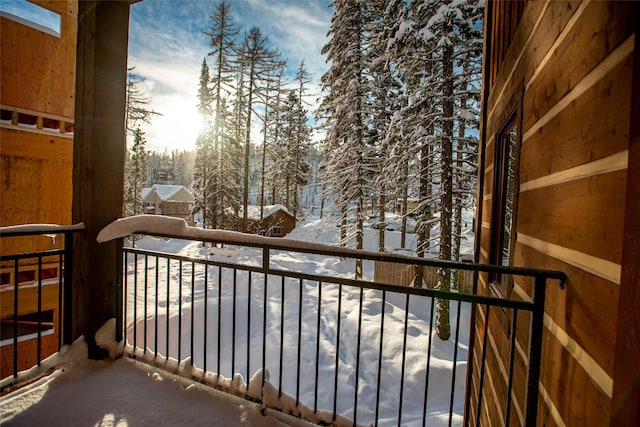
column 626, row 380
column 98, row 160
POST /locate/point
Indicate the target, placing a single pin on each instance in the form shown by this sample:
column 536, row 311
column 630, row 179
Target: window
column 27, row 326
column 504, row 202
column 276, row 230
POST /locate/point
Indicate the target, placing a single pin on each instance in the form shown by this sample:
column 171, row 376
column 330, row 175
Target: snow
column 253, row 211
column 164, row 191
column 164, row 225
column 105, row 338
column 41, row 228
column 466, row 114
column 123, row 392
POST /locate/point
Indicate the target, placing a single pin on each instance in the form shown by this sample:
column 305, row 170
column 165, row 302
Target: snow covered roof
column 253, row 211
column 168, row 192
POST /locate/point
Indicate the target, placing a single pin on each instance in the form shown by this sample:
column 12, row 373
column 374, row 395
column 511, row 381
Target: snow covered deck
column 125, row 392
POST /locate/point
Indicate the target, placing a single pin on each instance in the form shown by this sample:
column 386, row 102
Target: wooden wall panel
column 490, row 412
column 576, row 398
column 538, row 29
column 36, row 185
column 575, row 136
column 36, row 178
column 626, row 392
column 585, row 309
column 38, row 69
column 497, row 367
column 571, row 64
column 602, row 27
column 584, row 215
column 27, row 351
column 28, row 300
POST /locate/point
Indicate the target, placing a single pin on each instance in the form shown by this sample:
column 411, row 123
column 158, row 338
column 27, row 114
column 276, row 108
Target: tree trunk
column 247, row 143
column 443, row 327
column 381, row 225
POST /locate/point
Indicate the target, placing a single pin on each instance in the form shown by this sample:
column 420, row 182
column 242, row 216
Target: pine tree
column 258, row 60
column 422, row 102
column 386, row 17
column 271, row 96
column 302, row 136
column 231, row 168
column 136, row 175
column 350, row 164
column 294, row 143
column 274, row 174
column 222, row 33
column 450, row 33
column 203, row 182
column 137, row 109
column 137, row 105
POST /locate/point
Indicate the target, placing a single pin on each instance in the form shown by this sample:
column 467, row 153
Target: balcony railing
column 35, row 294
column 286, row 324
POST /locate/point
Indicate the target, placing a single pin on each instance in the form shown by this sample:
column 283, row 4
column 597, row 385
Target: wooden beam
column 626, row 389
column 99, row 149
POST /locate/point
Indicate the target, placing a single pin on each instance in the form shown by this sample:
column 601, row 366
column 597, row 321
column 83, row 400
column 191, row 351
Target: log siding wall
column 568, row 71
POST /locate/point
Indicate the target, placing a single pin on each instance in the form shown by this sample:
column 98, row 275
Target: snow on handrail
column 165, row 226
column 23, row 229
column 160, row 225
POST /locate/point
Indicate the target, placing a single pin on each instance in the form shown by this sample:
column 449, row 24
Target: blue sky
column 166, row 46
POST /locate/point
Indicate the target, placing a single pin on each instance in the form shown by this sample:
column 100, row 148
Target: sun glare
column 177, row 128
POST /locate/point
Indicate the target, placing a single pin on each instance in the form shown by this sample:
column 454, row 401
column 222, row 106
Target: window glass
column 503, row 224
column 509, row 165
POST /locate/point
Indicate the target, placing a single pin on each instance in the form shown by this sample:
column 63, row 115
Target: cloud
column 297, row 29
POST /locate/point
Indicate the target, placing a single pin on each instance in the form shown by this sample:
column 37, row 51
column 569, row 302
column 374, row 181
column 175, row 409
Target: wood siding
column 27, row 349
column 568, row 73
column 38, row 69
column 37, row 100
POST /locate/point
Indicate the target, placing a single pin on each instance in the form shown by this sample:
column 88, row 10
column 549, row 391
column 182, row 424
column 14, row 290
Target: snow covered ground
column 254, row 320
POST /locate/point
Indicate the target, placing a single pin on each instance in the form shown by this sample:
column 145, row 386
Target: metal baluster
column 315, row 396
column 482, row 363
column 404, row 356
column 455, row 359
column 384, row 303
column 355, row 403
column 299, row 341
column 512, row 355
column 335, row 381
column 426, row 382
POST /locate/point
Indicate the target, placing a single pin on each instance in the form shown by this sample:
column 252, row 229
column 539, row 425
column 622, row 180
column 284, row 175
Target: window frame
column 499, row 283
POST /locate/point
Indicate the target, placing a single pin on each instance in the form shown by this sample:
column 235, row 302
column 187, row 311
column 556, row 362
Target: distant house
column 276, row 220
column 169, row 200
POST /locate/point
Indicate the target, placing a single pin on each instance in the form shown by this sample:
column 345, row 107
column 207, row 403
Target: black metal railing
column 35, row 288
column 302, row 336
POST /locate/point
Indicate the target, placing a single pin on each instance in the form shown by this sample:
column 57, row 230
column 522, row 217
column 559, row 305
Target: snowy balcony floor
column 128, row 393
